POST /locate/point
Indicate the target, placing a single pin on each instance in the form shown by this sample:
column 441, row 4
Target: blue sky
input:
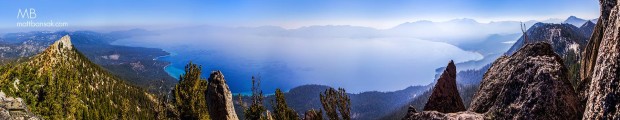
column 291, row 13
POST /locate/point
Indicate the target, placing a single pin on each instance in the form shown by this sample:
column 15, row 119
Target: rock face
column 603, row 91
column 219, row 98
column 445, row 97
column 591, row 51
column 530, row 84
column 434, row 115
column 14, row 109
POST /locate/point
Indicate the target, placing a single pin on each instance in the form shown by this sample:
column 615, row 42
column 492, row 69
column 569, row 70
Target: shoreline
column 165, row 68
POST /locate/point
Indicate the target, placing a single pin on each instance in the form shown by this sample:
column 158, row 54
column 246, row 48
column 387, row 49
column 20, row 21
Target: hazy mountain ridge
column 575, row 21
column 364, row 105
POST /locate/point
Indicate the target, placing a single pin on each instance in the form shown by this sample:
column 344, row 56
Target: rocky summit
column 530, row 84
column 61, row 83
column 219, row 98
column 445, row 97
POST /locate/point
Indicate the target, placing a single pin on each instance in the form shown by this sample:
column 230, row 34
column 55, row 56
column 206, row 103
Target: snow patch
column 574, row 47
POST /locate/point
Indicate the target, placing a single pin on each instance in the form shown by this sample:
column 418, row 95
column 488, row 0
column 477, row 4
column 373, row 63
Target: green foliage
column 336, row 104
column 162, row 109
column 66, row 85
column 571, row 61
column 280, row 108
column 256, row 110
column 145, row 77
column 189, row 97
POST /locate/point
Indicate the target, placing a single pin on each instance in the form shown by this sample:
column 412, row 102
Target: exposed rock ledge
column 14, row 109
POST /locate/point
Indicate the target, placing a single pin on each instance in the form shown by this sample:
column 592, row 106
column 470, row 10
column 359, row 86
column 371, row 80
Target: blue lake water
column 237, row 76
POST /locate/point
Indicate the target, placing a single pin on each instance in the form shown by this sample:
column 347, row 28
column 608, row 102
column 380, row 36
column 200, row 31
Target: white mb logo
column 29, row 13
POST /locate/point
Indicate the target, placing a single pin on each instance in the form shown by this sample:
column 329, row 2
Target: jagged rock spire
column 219, row 98
column 445, row 97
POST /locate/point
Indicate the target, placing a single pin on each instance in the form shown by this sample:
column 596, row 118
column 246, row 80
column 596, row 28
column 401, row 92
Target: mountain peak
column 64, row 42
column 588, row 24
column 575, row 21
column 573, row 17
column 72, row 80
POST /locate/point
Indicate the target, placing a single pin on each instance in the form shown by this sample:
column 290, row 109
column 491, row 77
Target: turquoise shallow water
column 173, row 71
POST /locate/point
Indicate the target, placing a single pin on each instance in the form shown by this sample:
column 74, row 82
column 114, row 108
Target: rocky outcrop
column 530, row 84
column 219, row 98
column 14, row 109
column 434, row 115
column 313, row 115
column 445, row 96
column 591, row 51
column 411, row 111
column 603, row 91
column 567, row 40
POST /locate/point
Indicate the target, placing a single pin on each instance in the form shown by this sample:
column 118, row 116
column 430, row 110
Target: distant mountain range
column 365, row 105
column 577, row 21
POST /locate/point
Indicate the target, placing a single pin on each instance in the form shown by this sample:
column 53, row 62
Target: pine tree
column 189, row 96
column 280, row 108
column 336, row 104
column 256, row 109
column 161, row 111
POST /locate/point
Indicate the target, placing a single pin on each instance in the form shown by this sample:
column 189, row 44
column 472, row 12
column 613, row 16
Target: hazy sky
column 289, row 13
